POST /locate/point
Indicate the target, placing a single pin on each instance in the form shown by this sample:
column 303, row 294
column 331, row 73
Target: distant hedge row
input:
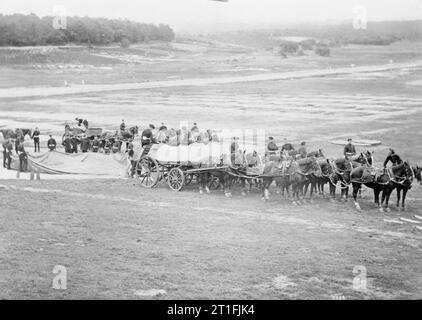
column 30, row 30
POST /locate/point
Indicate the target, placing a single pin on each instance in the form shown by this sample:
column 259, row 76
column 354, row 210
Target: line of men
column 73, row 144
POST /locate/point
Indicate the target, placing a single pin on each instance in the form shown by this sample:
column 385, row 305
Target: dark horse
column 130, row 133
column 326, row 172
column 398, row 177
column 341, row 172
column 292, row 173
column 17, row 133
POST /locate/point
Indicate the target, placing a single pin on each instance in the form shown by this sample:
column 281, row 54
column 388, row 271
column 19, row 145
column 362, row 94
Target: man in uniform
column 147, row 139
column 95, row 144
column 163, row 127
column 23, row 160
column 4, row 145
column 349, row 149
column 9, row 150
column 122, row 126
column 394, row 158
column 234, row 149
column 302, row 150
column 36, row 137
column 131, row 158
column 85, row 144
column 67, row 143
column 272, row 146
column 51, row 143
column 75, row 141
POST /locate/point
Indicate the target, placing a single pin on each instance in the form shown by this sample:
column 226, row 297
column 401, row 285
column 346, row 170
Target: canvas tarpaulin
column 55, row 162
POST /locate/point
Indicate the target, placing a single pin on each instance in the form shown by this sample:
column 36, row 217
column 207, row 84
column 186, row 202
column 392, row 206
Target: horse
column 400, row 177
column 417, row 171
column 224, row 176
column 299, row 173
column 17, row 133
column 326, row 171
column 342, row 168
column 129, row 133
column 316, row 154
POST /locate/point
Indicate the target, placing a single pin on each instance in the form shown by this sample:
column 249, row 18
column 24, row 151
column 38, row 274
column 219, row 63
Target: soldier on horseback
column 272, row 146
column 349, row 149
column 302, row 150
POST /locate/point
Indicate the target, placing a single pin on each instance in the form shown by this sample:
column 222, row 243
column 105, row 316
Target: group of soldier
column 17, row 145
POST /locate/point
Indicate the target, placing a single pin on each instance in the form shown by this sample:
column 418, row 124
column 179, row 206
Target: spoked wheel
column 176, row 179
column 148, row 172
column 214, row 183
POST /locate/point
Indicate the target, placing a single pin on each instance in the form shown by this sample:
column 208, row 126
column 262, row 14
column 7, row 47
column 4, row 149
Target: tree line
column 31, row 30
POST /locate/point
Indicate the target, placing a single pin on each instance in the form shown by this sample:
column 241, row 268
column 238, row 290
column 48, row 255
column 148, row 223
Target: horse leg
column 356, row 188
column 398, row 198
column 201, row 178
column 383, row 197
column 207, row 178
column 404, row 198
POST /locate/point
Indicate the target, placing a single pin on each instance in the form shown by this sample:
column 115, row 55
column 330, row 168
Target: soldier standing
column 36, row 137
column 51, row 143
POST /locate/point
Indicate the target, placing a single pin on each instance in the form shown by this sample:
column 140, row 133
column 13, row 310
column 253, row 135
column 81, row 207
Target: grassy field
column 117, row 239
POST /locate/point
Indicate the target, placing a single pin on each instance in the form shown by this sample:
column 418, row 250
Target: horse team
column 295, row 177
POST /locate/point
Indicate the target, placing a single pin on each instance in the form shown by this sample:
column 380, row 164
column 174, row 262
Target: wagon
column 176, row 168
column 152, row 168
column 177, row 175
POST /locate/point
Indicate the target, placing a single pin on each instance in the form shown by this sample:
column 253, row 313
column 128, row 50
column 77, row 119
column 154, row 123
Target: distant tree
column 24, row 30
column 322, row 50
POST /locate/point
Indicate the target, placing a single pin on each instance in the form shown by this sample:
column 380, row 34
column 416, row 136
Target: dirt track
column 25, row 92
column 116, row 238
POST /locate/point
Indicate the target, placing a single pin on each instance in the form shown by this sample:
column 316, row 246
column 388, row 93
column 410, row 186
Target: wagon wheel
column 148, row 172
column 214, row 183
column 176, row 179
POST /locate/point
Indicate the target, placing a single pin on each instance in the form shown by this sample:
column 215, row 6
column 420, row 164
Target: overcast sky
column 206, row 15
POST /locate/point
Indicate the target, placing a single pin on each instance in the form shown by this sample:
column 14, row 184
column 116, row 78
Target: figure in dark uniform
column 107, row 147
column 116, row 146
column 4, row 145
column 36, row 137
column 302, row 150
column 67, row 143
column 23, row 158
column 95, row 145
column 75, row 141
column 85, row 123
column 9, row 150
column 85, row 143
column 51, row 143
column 349, row 149
column 163, row 127
column 122, row 126
column 394, row 158
column 131, row 158
column 272, row 146
column 234, row 148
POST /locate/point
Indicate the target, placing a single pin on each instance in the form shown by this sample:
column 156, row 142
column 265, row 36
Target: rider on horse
column 349, row 149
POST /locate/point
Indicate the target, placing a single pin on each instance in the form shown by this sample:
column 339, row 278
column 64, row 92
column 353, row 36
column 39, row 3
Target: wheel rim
column 148, row 173
column 176, row 179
